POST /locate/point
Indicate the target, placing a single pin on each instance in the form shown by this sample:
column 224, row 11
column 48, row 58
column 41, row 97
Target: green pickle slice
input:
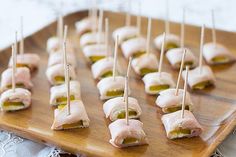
column 181, row 131
column 129, row 140
column 138, row 54
column 18, row 85
column 15, row 104
column 22, row 65
column 170, row 45
column 72, row 125
column 107, row 74
column 220, row 59
column 159, row 87
column 144, row 71
column 174, row 109
column 63, row 99
column 94, row 59
column 60, row 79
column 202, row 85
column 122, row 114
column 128, row 38
column 115, row 93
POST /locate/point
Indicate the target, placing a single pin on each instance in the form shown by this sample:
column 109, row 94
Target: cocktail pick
column 162, row 53
column 128, row 18
column 13, row 66
column 67, row 80
column 148, row 35
column 139, row 19
column 213, row 27
column 100, row 24
column 167, row 25
column 65, row 33
column 107, row 37
column 201, row 48
column 94, row 16
column 182, row 29
column 185, row 91
column 180, row 72
column 127, row 100
column 115, row 57
column 16, row 44
column 22, row 35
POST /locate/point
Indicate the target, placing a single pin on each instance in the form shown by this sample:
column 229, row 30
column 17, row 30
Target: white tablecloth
column 39, row 13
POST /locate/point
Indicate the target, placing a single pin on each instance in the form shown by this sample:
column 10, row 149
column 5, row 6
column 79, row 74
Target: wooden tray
column 214, row 108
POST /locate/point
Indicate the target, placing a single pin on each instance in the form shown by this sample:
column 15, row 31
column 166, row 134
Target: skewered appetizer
column 217, row 54
column 123, row 135
column 125, row 33
column 54, row 45
column 58, row 58
column 169, row 102
column 171, row 41
column 58, row 93
column 55, row 74
column 92, row 38
column 174, row 56
column 78, row 117
column 146, row 63
column 86, row 25
column 157, row 82
column 115, row 108
column 95, row 52
column 22, row 80
column 111, row 87
column 134, row 47
column 200, row 78
column 13, row 100
column 178, row 127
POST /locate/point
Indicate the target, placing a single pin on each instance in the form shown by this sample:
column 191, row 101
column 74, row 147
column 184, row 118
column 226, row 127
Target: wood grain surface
column 214, row 108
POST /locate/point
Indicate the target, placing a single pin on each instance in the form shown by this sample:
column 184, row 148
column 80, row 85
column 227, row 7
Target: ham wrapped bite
column 28, row 60
column 22, row 78
column 92, row 38
column 125, row 33
column 54, row 45
column 146, row 63
column 197, row 80
column 174, row 57
column 169, row 102
column 58, row 94
column 57, row 58
column 177, row 127
column 110, row 88
column 123, row 135
column 115, row 108
column 95, row 52
column 15, row 100
column 172, row 41
column 85, row 25
column 134, row 47
column 78, row 117
column 155, row 83
column 217, row 54
column 56, row 76
column 103, row 68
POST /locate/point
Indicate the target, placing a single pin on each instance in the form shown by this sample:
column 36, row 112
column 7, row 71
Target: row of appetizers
column 65, row 93
column 16, row 84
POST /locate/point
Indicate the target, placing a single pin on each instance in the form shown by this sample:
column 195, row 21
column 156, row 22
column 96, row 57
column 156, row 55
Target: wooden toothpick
column 16, row 44
column 213, row 27
column 67, row 79
column 60, row 30
column 148, row 35
column 65, row 33
column 13, row 55
column 128, row 68
column 22, row 35
column 107, row 36
column 201, row 48
column 182, row 29
column 100, row 23
column 64, row 56
column 167, row 25
column 162, row 53
column 115, row 58
column 94, row 18
column 127, row 100
column 128, row 18
column 139, row 19
column 180, row 72
column 185, row 91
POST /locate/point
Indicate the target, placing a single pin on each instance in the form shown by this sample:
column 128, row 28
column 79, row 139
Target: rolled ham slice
column 125, row 33
column 155, row 79
column 53, row 45
column 95, row 52
column 22, row 78
column 58, row 71
column 169, row 102
column 115, row 108
column 29, row 60
column 123, row 135
column 85, row 25
column 92, row 38
column 57, row 58
column 15, row 100
column 134, row 47
column 58, row 94
column 217, row 54
column 102, row 68
column 195, row 77
column 172, row 41
column 177, row 127
column 110, row 88
column 78, row 117
column 174, row 57
column 144, row 64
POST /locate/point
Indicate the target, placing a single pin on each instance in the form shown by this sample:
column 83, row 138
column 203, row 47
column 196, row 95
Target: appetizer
column 123, row 135
column 86, row 25
column 92, row 38
column 125, row 33
column 95, row 52
column 115, row 108
column 178, row 127
column 22, row 78
column 103, row 68
column 77, row 118
column 55, row 74
column 58, row 58
column 172, row 41
column 17, row 99
column 58, row 93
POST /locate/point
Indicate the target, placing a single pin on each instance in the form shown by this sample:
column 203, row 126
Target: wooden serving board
column 214, row 108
